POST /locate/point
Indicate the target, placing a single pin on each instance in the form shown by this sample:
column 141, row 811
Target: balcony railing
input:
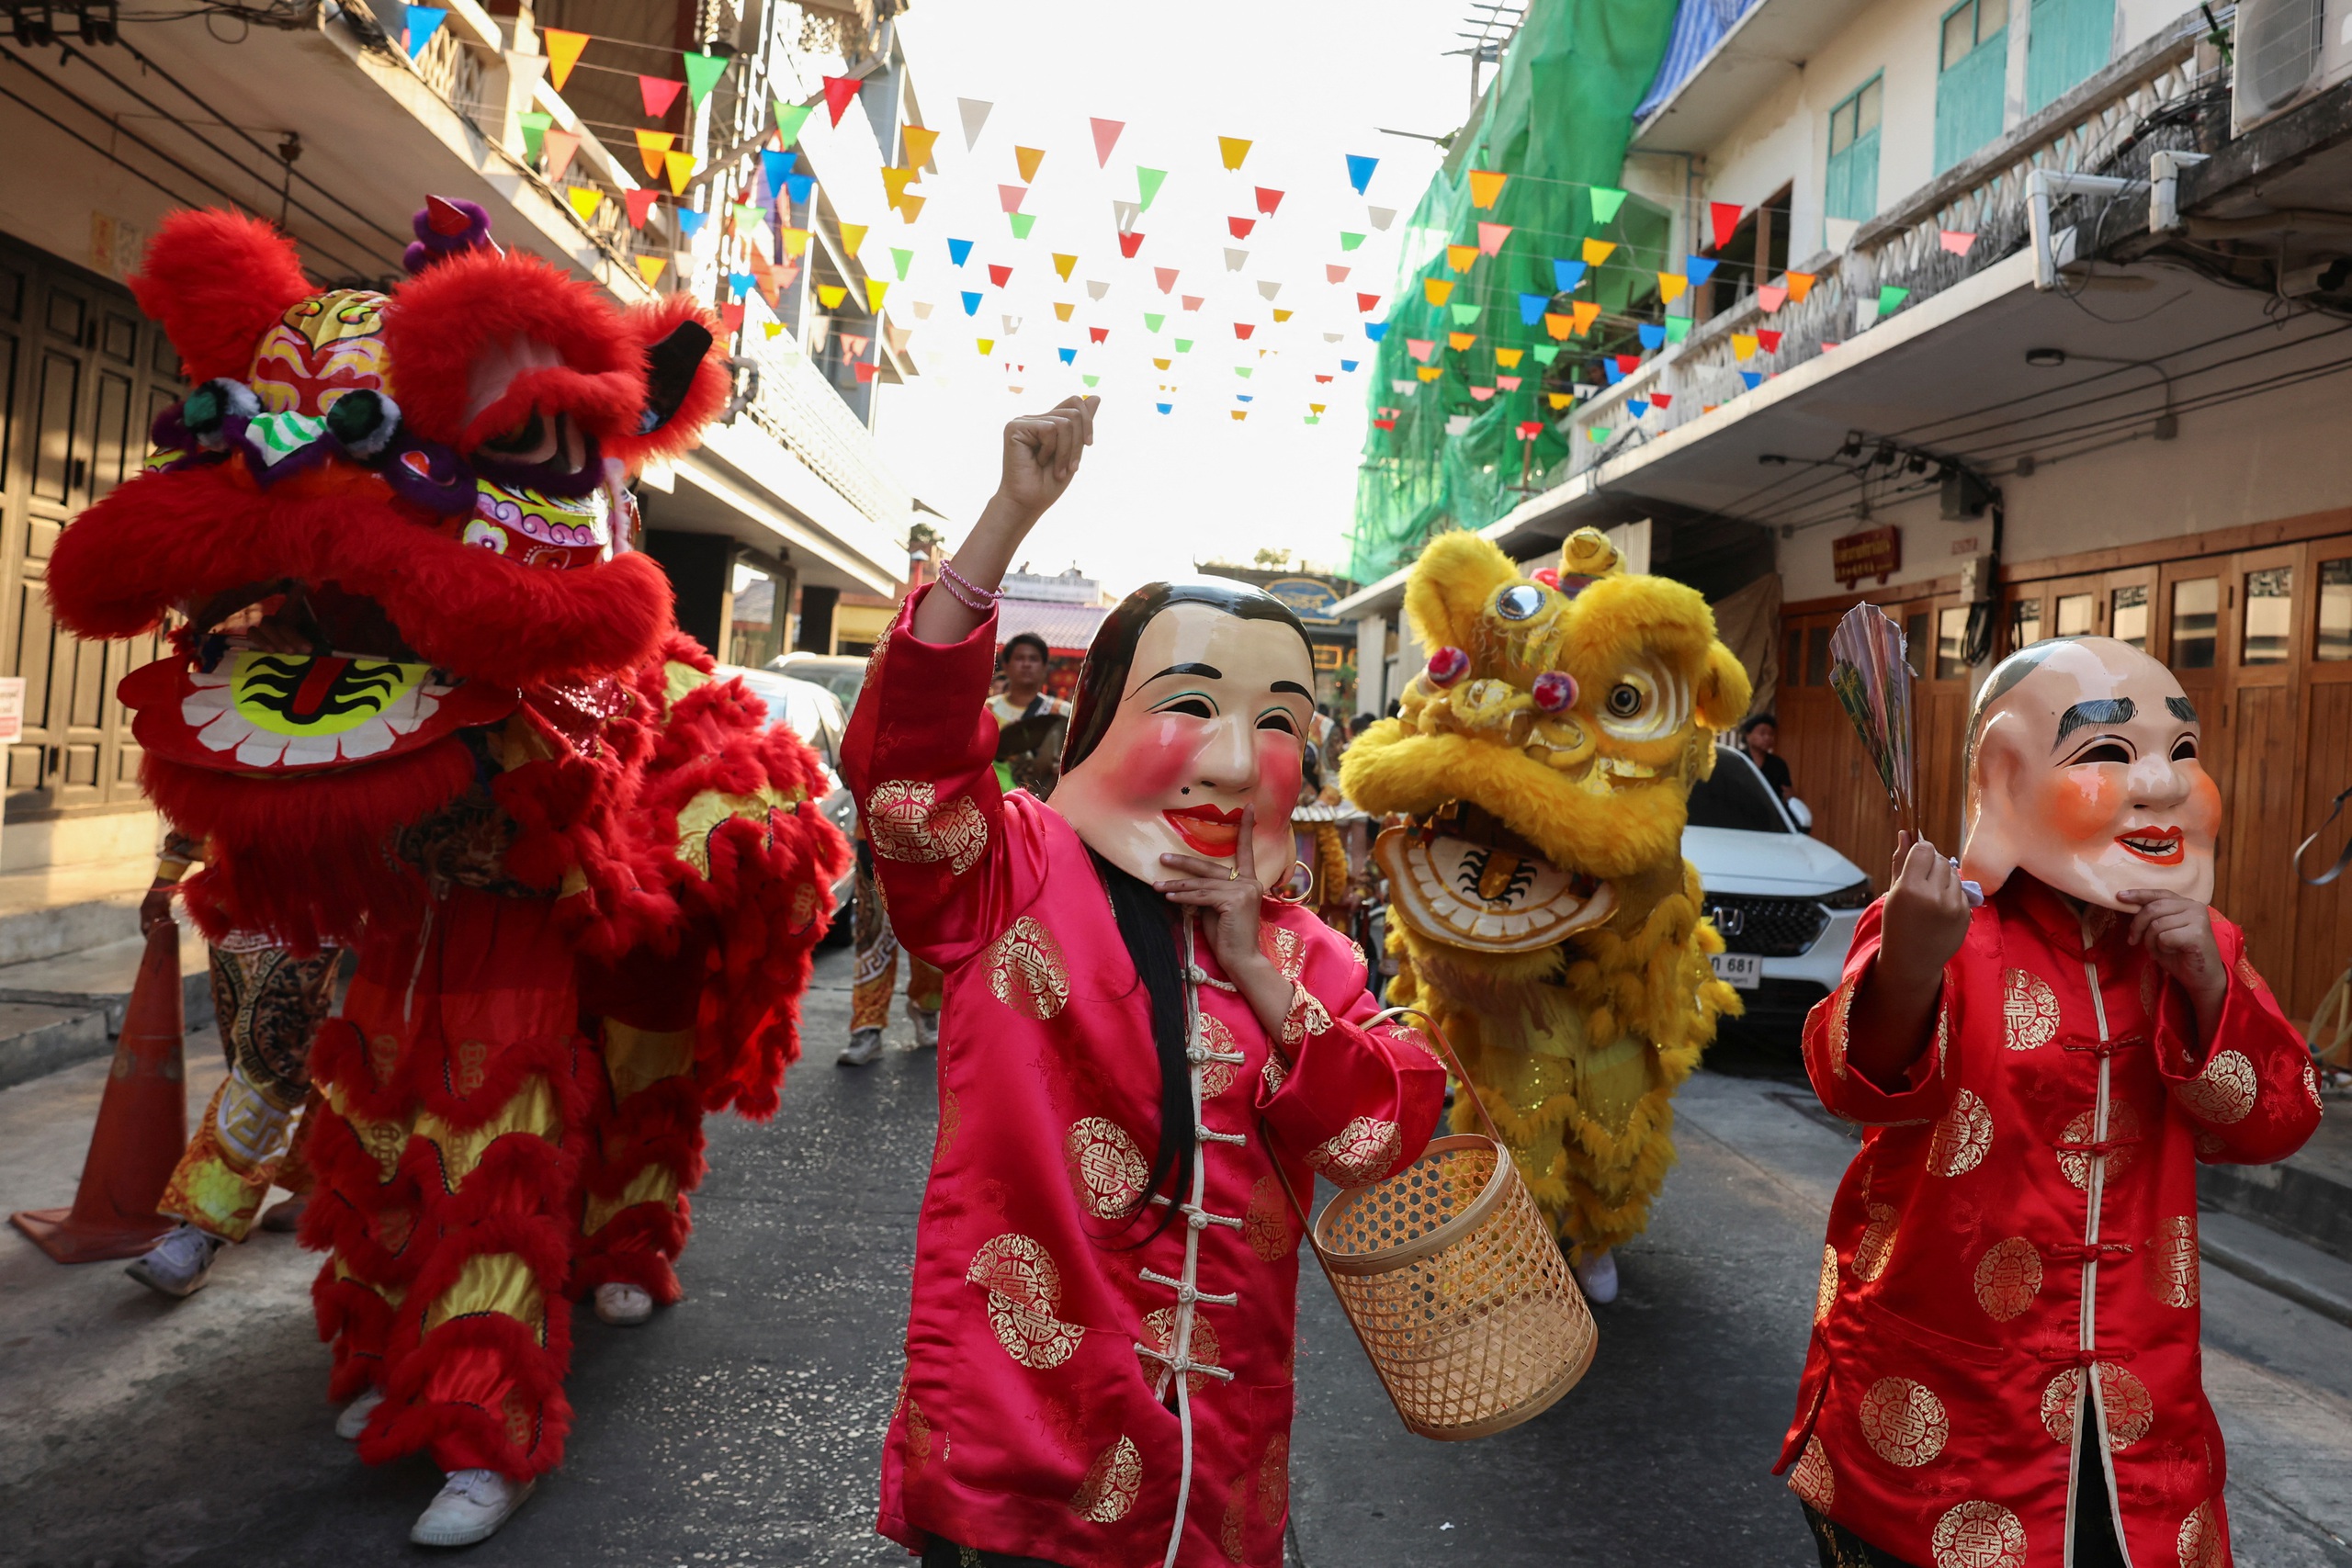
column 2116, row 116
column 800, row 409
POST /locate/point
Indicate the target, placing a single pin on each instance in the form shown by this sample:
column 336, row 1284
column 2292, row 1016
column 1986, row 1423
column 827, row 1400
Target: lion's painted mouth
column 1469, row 883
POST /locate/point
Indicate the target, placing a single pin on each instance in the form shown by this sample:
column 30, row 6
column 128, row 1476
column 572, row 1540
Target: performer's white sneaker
column 354, row 1419
column 864, row 1050
column 469, row 1508
column 179, row 1265
column 926, row 1027
column 1598, row 1276
column 623, row 1307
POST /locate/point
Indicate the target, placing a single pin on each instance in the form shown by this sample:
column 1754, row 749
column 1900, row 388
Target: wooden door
column 2265, row 603
column 82, row 375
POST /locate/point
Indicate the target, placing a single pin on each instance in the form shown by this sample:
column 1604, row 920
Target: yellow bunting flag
column 895, row 182
column 1485, row 185
column 1460, row 341
column 1597, row 251
column 830, row 295
column 680, row 167
column 1241, row 413
column 910, row 207
column 1459, row 257
column 875, row 288
column 1670, row 286
column 1586, row 312
column 1428, row 372
column 1560, row 400
column 852, row 236
column 1800, row 285
column 1281, row 316
column 650, row 146
column 919, row 144
column 985, row 345
column 1558, row 326
column 1063, row 264
column 796, row 242
column 1508, row 358
column 1162, row 364
column 651, row 267
column 770, row 328
column 1232, row 149
column 1062, row 310
column 1436, row 290
column 1743, row 346
column 564, row 53
column 584, row 200
column 1028, row 158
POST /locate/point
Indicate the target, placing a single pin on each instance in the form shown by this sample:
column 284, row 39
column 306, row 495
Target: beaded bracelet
column 970, row 594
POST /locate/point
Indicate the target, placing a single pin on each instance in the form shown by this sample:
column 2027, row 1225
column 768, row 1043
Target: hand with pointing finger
column 1230, row 898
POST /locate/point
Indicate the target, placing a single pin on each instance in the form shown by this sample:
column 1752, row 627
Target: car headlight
column 1856, row 897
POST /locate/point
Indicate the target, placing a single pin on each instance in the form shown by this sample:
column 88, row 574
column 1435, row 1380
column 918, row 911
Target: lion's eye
column 1519, row 602
column 1625, row 699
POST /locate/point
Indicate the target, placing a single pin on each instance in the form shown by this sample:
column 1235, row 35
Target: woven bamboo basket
column 1455, row 1284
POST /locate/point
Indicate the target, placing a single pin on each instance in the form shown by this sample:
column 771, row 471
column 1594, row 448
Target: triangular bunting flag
column 1491, row 237
column 1106, row 136
column 650, row 266
column 1670, row 286
column 1770, row 297
column 1235, row 260
column 650, row 146
column 1129, row 245
column 561, row 146
column 1021, row 223
column 975, row 112
column 1232, row 150
column 894, row 183
column 839, row 91
column 1240, row 227
column 959, row 252
column 1334, row 273
column 535, row 125
column 999, row 273
column 795, row 240
column 1063, row 310
column 424, row 21
column 1063, row 264
column 875, row 288
column 830, row 295
column 1567, row 275
column 564, row 53
column 1027, row 160
column 1350, row 242
column 1268, row 200
column 1800, row 285
column 641, row 205
column 1269, row 290
column 1011, row 197
column 1724, row 218
column 1166, row 277
column 1605, row 203
column 1436, row 289
column 1486, row 184
column 1360, row 171
column 658, row 93
column 1531, row 308
column 680, row 167
column 1381, row 217
column 1463, row 314
column 1148, row 183
column 852, row 236
column 1460, row 341
column 584, row 200
column 702, row 71
column 1461, row 258
column 919, row 144
column 1597, row 251
column 1702, row 269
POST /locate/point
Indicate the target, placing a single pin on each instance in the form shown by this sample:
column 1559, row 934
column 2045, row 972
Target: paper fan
column 1872, row 679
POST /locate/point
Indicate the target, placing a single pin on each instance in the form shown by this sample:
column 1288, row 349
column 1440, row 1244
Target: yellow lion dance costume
column 1542, row 911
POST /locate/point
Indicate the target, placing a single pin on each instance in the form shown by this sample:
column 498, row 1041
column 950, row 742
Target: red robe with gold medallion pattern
column 2011, row 1266
column 1038, row 1417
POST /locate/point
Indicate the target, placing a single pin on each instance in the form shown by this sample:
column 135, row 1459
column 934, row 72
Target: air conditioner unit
column 2287, row 51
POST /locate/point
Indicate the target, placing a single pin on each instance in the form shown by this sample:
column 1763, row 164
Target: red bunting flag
column 1365, row 303
column 1268, row 200
column 866, row 372
column 1336, row 273
column 1491, row 237
column 730, row 316
column 1242, row 226
column 1194, row 301
column 1629, row 363
column 999, row 274
column 1165, row 275
column 1323, row 377
column 1771, row 341
column 1243, row 329
column 1129, row 245
column 1098, row 334
column 1529, row 429
column 1384, row 424
column 1662, row 399
column 839, row 91
column 1106, row 136
column 1724, row 217
column 658, row 93
column 641, row 204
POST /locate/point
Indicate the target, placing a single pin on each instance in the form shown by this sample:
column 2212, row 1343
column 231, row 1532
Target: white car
column 814, row 714
column 1786, row 903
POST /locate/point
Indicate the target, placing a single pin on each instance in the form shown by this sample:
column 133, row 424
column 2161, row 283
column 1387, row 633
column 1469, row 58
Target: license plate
column 1743, row 970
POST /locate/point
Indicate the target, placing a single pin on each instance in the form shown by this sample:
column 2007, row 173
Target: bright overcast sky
column 1307, row 81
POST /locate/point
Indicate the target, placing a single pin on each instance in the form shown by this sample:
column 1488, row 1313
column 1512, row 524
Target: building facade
column 326, row 121
column 2038, row 333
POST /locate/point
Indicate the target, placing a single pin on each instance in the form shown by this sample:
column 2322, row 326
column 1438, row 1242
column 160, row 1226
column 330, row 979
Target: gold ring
column 1233, row 874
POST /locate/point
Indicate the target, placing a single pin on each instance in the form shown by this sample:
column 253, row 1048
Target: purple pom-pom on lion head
column 446, row 226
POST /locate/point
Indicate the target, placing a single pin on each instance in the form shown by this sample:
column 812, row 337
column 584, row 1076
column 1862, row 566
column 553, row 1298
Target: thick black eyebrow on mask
column 2182, row 709
column 1206, row 672
column 1291, row 686
column 2099, row 710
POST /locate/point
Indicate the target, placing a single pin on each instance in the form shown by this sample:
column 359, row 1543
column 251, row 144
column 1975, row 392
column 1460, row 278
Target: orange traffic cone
column 142, row 1130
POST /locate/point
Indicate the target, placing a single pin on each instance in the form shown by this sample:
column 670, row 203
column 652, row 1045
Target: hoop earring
column 1287, row 897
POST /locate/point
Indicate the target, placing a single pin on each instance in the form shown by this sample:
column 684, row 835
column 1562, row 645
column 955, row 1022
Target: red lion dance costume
column 581, row 876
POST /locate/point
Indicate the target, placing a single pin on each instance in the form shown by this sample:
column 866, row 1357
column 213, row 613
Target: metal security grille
column 1772, row 928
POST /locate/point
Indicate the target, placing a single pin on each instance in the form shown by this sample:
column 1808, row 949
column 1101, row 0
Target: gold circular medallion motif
column 1266, row 1224
column 1217, row 1076
column 1963, row 1136
column 2007, row 1279
column 2028, row 1010
column 2311, row 1086
column 1877, row 1245
column 1027, row 972
column 1274, row 1479
column 1110, row 1484
column 2223, row 1092
column 1903, row 1421
column 1825, row 1294
column 2124, row 1399
column 1106, row 1170
column 2168, row 1262
column 1978, row 1534
column 2201, row 1543
column 2122, row 1129
column 1812, row 1479
column 1025, row 1292
column 1159, row 1331
column 1359, row 1152
column 2061, row 1396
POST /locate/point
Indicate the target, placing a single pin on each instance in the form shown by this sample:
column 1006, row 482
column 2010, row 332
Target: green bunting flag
column 1678, row 328
column 1605, row 203
column 1021, row 223
column 1546, row 352
column 899, row 259
column 789, row 118
column 1463, row 314
column 1350, row 242
column 1148, row 185
column 1152, row 322
column 1244, row 371
column 702, row 71
column 535, row 125
column 1184, row 346
column 1890, row 298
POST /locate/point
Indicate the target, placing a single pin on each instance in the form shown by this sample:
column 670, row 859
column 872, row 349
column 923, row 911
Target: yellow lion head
column 1545, row 754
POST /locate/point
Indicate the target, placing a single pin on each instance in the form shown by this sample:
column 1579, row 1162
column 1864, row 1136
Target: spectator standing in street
column 1760, row 737
column 1030, row 724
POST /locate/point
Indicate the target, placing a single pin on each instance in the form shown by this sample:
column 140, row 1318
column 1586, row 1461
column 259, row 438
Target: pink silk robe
column 1038, row 1417
column 2011, row 1266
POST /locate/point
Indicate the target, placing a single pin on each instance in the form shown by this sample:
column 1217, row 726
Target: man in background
column 1030, row 724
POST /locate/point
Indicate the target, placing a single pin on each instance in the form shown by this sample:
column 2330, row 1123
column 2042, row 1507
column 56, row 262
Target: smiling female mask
column 1191, row 707
column 2082, row 771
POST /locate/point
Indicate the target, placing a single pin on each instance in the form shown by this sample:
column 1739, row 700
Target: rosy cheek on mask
column 1280, row 770
column 2083, row 804
column 1158, row 758
column 2202, row 811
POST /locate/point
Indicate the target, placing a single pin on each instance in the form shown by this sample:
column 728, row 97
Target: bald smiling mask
column 2082, row 771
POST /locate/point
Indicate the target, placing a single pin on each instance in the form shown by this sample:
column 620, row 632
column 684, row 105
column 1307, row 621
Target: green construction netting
column 1556, row 122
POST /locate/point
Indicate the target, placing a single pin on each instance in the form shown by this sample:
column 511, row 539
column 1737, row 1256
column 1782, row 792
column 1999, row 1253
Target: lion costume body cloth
column 1542, row 911
column 581, row 876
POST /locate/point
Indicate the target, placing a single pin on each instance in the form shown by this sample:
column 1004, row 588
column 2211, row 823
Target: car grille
column 1772, row 928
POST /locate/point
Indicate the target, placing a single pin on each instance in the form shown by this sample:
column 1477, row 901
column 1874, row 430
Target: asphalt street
column 743, row 1426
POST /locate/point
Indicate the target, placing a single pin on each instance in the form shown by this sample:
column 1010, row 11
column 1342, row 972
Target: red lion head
column 387, row 520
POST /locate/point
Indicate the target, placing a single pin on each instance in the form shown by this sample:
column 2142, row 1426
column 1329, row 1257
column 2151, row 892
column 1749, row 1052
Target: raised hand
column 1041, row 457
column 1042, row 453
column 1924, row 921
column 2179, row 936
